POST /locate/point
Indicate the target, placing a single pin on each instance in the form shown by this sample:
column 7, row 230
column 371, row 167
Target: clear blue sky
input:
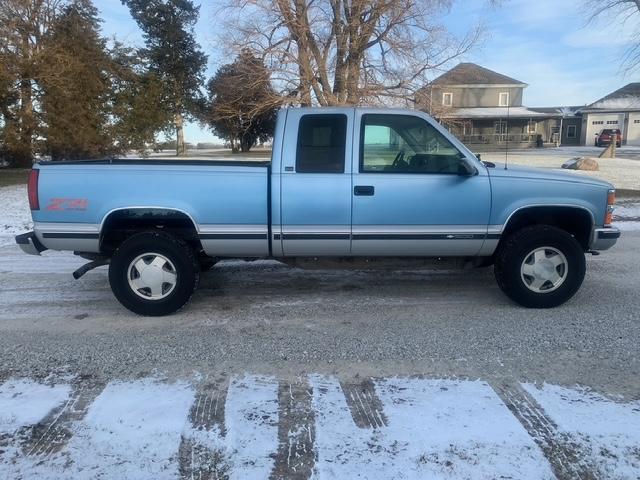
column 544, row 43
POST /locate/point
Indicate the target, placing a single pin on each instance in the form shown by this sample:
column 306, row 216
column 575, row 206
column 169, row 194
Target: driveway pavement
column 273, row 372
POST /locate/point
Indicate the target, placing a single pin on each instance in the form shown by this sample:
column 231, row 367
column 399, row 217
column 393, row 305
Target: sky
column 547, row 44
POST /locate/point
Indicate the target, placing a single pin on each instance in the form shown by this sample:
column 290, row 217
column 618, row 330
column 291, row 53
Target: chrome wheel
column 152, row 276
column 544, row 269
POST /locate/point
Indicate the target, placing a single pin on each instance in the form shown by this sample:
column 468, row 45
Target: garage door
column 597, row 122
column 633, row 130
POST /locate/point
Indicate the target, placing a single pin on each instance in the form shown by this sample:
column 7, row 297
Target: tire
column 172, row 274
column 533, row 254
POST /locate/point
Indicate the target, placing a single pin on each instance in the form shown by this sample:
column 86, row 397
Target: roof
column 472, row 74
column 498, row 112
column 625, row 98
column 569, row 111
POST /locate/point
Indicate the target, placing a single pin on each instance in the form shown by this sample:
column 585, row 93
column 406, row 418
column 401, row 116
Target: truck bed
column 228, row 201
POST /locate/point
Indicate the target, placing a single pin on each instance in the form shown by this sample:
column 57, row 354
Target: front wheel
column 540, row 266
column 153, row 273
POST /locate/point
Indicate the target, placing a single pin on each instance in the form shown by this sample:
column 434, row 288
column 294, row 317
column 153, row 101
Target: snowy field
column 256, row 427
column 15, row 216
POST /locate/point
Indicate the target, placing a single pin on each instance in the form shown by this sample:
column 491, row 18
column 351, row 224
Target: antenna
column 506, row 145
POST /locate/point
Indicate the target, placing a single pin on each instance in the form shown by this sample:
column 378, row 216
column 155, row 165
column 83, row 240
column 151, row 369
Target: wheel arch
column 577, row 220
column 120, row 223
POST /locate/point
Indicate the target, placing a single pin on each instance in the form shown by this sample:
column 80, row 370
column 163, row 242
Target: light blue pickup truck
column 347, row 187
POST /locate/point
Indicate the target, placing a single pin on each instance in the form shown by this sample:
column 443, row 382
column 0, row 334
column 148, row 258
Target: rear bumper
column 604, row 238
column 29, row 243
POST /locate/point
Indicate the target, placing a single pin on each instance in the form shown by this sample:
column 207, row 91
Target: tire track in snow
column 296, row 431
column 53, row 433
column 365, row 406
column 565, row 455
column 198, row 460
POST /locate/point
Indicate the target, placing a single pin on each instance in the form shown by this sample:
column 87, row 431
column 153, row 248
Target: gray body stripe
column 233, row 236
column 91, row 236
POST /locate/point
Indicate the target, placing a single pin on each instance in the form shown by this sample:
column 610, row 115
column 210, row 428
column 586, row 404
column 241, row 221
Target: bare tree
column 242, row 104
column 344, row 52
column 621, row 11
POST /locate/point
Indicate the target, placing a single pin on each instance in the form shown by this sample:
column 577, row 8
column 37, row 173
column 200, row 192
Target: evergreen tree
column 23, row 25
column 137, row 110
column 76, row 86
column 242, row 104
column 174, row 56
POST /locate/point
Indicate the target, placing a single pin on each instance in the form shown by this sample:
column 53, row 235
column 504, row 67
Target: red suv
column 604, row 139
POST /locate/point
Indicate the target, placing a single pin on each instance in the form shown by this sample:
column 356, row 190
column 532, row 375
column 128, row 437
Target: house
column 484, row 109
column 619, row 109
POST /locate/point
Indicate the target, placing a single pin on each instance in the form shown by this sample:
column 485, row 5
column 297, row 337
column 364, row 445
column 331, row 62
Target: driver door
column 411, row 196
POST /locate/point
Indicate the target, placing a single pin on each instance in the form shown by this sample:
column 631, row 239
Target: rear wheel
column 153, row 273
column 540, row 266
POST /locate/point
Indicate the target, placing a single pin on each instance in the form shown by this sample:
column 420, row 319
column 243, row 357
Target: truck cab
column 369, row 182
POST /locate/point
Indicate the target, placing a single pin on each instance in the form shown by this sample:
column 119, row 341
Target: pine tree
column 174, row 56
column 136, row 102
column 76, row 86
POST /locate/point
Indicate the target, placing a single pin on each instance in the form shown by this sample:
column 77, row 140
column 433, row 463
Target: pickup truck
column 348, row 187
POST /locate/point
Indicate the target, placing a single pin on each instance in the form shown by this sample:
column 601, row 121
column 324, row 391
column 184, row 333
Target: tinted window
column 405, row 144
column 321, row 143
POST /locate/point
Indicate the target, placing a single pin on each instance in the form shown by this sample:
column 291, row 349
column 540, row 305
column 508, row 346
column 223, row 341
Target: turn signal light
column 32, row 189
column 611, row 200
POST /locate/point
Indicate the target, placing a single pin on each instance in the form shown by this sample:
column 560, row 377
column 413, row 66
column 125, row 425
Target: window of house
column 612, row 122
column 597, row 122
column 447, row 99
column 321, row 143
column 571, row 131
column 636, row 121
column 531, row 127
column 405, row 144
column 503, row 99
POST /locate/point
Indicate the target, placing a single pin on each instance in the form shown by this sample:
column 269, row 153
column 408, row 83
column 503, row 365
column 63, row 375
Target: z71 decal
column 59, row 204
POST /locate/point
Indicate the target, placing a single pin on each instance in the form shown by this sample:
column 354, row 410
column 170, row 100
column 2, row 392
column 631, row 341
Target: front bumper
column 29, row 243
column 604, row 238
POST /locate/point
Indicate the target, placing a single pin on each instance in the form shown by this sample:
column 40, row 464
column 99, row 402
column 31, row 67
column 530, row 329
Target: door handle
column 363, row 190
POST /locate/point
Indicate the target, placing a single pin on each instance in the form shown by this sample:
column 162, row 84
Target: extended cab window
column 321, row 143
column 405, row 144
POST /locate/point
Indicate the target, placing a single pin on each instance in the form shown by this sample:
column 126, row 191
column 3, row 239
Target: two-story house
column 484, row 109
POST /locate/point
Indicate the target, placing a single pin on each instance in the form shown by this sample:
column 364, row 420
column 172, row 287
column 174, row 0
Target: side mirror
column 466, row 170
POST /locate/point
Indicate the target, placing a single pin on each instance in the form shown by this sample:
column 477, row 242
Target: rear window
column 609, row 131
column 321, row 143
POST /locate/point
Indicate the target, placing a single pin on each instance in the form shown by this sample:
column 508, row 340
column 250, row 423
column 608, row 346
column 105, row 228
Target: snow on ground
column 252, row 423
column 627, row 210
column 608, row 431
column 436, row 429
column 15, row 216
column 132, row 430
column 413, row 428
column 25, row 402
column 628, row 226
